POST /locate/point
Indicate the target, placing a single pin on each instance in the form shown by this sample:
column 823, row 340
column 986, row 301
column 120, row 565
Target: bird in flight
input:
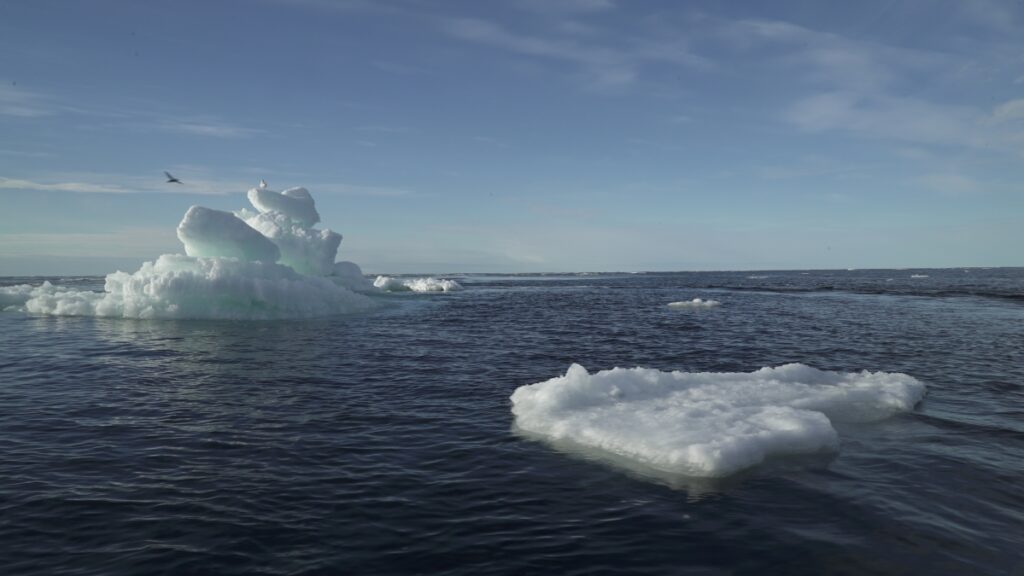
column 171, row 178
column 263, row 183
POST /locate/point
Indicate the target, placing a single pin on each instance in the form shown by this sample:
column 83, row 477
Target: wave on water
column 706, row 424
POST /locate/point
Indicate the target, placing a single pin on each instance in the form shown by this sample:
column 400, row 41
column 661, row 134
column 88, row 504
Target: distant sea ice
column 695, row 303
column 706, row 424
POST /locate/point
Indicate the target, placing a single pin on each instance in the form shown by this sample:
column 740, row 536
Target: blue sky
column 527, row 135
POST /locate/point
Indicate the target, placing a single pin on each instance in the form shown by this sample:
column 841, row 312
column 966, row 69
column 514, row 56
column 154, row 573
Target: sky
column 524, row 135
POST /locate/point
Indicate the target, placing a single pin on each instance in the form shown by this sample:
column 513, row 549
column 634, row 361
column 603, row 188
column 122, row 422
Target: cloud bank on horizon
column 556, row 135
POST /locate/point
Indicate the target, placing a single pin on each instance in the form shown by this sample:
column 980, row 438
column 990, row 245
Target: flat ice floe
column 695, row 303
column 707, row 424
column 392, row 284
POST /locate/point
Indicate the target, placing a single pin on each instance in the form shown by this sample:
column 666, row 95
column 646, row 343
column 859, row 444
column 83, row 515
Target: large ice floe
column 262, row 264
column 706, row 424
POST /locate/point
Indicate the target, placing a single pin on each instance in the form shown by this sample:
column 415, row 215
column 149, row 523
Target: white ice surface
column 295, row 203
column 214, row 233
column 695, row 303
column 391, row 284
column 177, row 286
column 350, row 275
column 307, row 250
column 707, row 424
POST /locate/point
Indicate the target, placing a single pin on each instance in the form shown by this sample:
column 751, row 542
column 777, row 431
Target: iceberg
column 706, row 424
column 267, row 264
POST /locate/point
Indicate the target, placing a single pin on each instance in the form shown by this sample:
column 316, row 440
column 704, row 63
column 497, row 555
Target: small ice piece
column 695, row 303
column 390, row 284
column 214, row 233
column 428, row 284
column 918, row 275
column 706, row 424
column 295, row 203
column 432, row 285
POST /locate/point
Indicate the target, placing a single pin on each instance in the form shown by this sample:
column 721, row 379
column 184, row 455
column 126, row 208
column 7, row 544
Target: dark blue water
column 383, row 443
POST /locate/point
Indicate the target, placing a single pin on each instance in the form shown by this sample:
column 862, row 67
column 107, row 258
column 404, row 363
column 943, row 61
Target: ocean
column 383, row 442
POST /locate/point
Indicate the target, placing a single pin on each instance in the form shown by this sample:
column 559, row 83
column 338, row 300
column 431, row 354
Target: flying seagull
column 171, row 178
column 263, row 183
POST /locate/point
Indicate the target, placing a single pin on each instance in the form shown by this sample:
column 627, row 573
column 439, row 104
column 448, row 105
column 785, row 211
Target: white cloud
column 992, row 14
column 1012, row 111
column 566, row 6
column 18, row 102
column 194, row 181
column 82, row 187
column 379, row 129
column 874, row 90
column 111, row 244
column 210, row 128
column 21, row 103
column 950, row 183
column 908, row 119
column 25, row 153
column 360, row 190
column 126, row 184
column 602, row 65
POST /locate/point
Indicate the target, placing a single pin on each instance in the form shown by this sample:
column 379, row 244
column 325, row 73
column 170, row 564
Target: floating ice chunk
column 12, row 297
column 707, row 424
column 214, row 233
column 695, row 303
column 918, row 275
column 177, row 286
column 350, row 275
column 432, row 285
column 295, row 203
column 391, row 284
column 307, row 250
